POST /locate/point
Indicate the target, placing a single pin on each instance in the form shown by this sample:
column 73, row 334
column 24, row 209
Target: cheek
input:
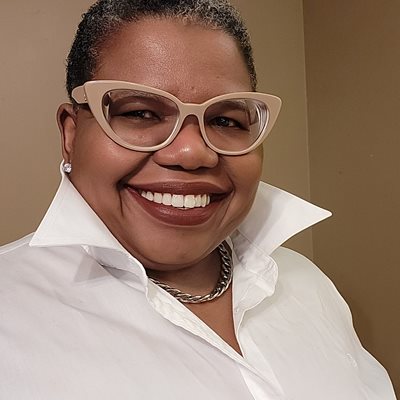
column 99, row 166
column 98, row 157
column 246, row 170
column 245, row 173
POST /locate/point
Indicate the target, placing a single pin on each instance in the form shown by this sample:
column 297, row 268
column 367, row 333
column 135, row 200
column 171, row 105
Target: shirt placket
column 250, row 289
column 180, row 316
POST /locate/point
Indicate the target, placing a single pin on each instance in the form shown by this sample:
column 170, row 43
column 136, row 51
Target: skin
column 194, row 64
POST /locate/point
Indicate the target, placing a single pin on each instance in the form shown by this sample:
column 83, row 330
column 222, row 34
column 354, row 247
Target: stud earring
column 67, row 168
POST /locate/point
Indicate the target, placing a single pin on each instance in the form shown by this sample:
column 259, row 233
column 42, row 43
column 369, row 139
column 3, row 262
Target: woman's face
column 194, row 64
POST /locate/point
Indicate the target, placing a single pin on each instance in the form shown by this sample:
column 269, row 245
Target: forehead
column 190, row 61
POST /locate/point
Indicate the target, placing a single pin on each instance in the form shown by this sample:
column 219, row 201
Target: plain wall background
column 35, row 37
column 336, row 141
column 353, row 88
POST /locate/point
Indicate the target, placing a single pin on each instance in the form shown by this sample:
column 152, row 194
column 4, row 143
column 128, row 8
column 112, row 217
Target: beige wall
column 353, row 87
column 34, row 39
column 350, row 59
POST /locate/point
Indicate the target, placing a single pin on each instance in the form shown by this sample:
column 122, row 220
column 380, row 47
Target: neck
column 197, row 279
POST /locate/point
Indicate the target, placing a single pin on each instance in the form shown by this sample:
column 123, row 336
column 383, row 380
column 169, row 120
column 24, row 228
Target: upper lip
column 182, row 188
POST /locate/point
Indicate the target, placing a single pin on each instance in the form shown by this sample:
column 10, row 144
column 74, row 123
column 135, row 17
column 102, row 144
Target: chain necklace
column 225, row 278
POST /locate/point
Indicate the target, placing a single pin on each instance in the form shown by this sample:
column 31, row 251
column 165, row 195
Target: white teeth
column 149, row 196
column 167, row 199
column 198, row 201
column 189, row 201
column 177, row 200
column 158, row 198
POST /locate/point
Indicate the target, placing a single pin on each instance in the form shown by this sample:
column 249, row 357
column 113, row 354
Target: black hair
column 106, row 17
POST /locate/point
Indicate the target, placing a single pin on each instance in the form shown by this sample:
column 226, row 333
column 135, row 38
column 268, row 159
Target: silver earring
column 67, row 168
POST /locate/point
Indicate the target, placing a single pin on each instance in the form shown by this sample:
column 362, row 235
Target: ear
column 66, row 120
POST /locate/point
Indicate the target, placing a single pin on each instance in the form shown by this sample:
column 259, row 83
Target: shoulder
column 13, row 246
column 293, row 265
column 20, row 252
column 296, row 268
column 300, row 278
column 21, row 263
column 15, row 252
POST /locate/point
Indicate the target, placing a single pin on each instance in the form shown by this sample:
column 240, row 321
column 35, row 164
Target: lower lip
column 176, row 216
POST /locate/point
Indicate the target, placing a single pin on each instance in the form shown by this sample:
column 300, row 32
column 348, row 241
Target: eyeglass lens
column 146, row 119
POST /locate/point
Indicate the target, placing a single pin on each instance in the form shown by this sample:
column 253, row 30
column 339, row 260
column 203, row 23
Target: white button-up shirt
column 79, row 320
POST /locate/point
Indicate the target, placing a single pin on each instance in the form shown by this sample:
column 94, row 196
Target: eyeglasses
column 143, row 118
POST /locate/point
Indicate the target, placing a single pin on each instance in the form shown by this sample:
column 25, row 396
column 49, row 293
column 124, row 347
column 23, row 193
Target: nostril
column 186, row 157
column 188, row 150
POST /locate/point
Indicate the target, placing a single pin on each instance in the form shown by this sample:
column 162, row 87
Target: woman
column 154, row 272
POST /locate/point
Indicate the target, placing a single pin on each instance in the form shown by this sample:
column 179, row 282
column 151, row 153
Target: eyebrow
column 239, row 104
column 122, row 93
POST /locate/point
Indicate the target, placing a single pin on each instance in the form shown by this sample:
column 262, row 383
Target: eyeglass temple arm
column 78, row 94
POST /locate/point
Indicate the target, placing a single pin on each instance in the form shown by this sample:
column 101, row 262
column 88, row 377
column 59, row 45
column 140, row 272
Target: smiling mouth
column 180, row 205
column 183, row 202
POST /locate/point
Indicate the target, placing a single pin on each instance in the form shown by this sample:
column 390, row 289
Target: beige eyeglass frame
column 92, row 93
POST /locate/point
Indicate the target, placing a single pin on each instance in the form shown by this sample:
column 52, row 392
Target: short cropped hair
column 106, row 17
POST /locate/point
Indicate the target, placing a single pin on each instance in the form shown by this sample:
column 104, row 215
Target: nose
column 188, row 150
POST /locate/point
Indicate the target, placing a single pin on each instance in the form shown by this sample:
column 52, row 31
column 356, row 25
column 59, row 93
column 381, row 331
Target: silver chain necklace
column 225, row 279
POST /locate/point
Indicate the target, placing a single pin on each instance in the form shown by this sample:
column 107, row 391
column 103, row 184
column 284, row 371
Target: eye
column 225, row 122
column 140, row 114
